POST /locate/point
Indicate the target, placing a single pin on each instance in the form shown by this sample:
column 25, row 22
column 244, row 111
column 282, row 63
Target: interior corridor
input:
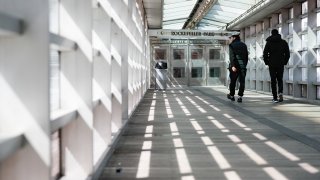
column 197, row 133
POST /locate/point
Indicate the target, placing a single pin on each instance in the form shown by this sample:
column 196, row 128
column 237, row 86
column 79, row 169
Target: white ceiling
column 173, row 14
column 223, row 12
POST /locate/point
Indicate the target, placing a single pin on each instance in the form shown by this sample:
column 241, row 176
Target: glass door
column 197, row 63
column 215, row 66
column 178, row 66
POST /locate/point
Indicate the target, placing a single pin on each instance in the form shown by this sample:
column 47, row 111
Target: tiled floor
column 198, row 134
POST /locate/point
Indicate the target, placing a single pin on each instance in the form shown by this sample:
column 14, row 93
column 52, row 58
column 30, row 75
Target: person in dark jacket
column 276, row 55
column 238, row 55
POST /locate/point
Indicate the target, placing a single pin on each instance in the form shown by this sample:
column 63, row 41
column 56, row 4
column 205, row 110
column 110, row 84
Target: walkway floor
column 198, row 134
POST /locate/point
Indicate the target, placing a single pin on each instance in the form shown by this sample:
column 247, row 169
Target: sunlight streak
column 219, row 158
column 215, row 108
column 232, row 175
column 168, row 108
column 183, row 162
column 117, row 19
column 153, row 103
column 274, row 174
column 201, row 99
column 151, row 114
column 75, row 101
column 218, row 124
column 282, row 151
column 147, row 145
column 189, row 92
column 177, row 142
column 234, row 138
column 309, row 168
column 175, row 134
column 206, row 140
column 99, row 45
column 196, row 126
column 227, row 116
column 184, row 109
column 144, row 165
column 240, row 124
column 187, row 178
column 252, row 155
column 259, row 136
column 196, row 105
column 73, row 31
column 173, row 127
column 149, row 131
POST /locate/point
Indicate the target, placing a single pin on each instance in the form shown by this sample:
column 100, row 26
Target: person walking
column 276, row 55
column 238, row 56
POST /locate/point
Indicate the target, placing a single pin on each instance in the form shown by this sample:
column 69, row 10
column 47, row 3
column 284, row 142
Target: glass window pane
column 178, row 72
column 196, row 72
column 214, row 72
column 318, row 19
column 55, row 155
column 304, row 41
column 304, row 90
column 178, row 54
column 304, row 7
column 54, row 16
column 196, row 53
column 160, row 54
column 280, row 18
column 318, row 56
column 290, row 43
column 214, row 54
column 304, row 24
column 290, row 28
column 290, row 13
column 54, row 80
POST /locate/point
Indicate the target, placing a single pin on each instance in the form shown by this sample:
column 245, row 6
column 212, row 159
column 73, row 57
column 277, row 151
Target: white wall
column 94, row 99
column 24, row 91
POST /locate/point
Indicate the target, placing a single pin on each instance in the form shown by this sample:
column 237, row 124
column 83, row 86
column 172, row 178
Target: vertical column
column 252, row 54
column 311, row 54
column 296, row 57
column 124, row 76
column 245, row 37
column 259, row 53
column 116, row 65
column 76, row 88
column 101, row 84
column 266, row 34
column 24, row 93
column 285, row 36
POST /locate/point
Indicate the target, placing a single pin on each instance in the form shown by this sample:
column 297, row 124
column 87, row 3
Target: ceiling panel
column 173, row 14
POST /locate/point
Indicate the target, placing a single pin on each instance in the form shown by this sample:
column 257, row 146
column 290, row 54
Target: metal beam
column 200, row 10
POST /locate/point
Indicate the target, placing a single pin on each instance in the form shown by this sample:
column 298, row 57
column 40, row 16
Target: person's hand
column 234, row 69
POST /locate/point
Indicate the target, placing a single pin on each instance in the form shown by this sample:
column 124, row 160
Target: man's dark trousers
column 276, row 74
column 241, row 74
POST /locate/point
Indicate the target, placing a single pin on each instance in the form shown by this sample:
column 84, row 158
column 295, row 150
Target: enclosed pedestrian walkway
column 197, row 133
column 78, row 98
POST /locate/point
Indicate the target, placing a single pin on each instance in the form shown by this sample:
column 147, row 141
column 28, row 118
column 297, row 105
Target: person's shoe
column 230, row 97
column 239, row 99
column 275, row 101
column 280, row 97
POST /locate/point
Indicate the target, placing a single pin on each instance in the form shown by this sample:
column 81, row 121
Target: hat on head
column 274, row 32
column 235, row 34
